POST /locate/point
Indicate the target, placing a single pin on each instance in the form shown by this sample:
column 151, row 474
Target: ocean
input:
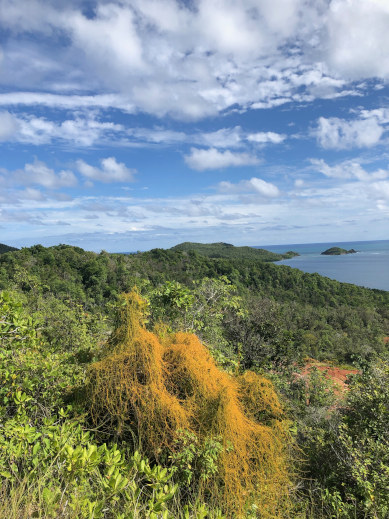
column 368, row 268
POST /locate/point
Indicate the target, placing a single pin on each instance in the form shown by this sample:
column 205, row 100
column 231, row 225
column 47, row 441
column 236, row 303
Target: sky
column 134, row 124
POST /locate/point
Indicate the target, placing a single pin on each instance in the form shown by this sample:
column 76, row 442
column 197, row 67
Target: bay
column 369, row 267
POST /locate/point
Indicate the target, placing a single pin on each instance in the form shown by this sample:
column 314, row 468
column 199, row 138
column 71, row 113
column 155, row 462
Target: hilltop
column 226, row 250
column 6, row 248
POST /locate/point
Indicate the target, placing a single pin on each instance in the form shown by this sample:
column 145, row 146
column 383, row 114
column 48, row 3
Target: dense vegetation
column 183, row 398
column 226, row 250
column 6, row 248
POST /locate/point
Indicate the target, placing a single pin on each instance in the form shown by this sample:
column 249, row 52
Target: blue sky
column 133, row 124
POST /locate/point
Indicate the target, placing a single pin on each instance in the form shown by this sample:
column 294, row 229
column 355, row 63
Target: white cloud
column 110, row 171
column 35, row 130
column 81, row 131
column 239, row 213
column 380, row 190
column 158, row 135
column 358, row 38
column 87, row 130
column 236, row 137
column 266, row 137
column 223, row 138
column 109, row 39
column 213, row 159
column 8, row 125
column 31, row 193
column 335, row 133
column 350, row 169
column 40, row 174
column 264, row 188
column 167, row 57
column 67, row 102
column 380, row 114
column 254, row 185
column 32, row 182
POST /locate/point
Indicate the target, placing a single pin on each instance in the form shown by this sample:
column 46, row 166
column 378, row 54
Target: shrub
column 148, row 390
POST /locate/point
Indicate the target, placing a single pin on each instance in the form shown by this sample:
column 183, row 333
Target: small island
column 337, row 251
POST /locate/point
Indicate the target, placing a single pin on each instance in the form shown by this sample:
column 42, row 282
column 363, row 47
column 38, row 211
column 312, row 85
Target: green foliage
column 33, row 378
column 15, row 327
column 66, row 326
column 50, row 464
column 56, row 311
column 364, row 441
column 203, row 309
column 79, row 478
column 348, row 447
column 312, row 315
column 192, row 461
column 6, row 248
column 226, row 250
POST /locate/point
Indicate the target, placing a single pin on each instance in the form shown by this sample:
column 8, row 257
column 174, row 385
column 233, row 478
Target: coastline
column 367, row 268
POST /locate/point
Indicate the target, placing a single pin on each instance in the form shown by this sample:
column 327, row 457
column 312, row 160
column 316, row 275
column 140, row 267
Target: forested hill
column 94, row 277
column 226, row 250
column 322, row 317
column 6, row 248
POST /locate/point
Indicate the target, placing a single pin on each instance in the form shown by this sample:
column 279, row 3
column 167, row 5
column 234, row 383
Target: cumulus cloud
column 254, row 185
column 350, row 169
column 168, row 58
column 8, row 125
column 109, row 38
column 212, row 158
column 358, row 37
column 335, row 133
column 266, row 137
column 81, row 64
column 39, row 174
column 110, row 171
column 380, row 114
column 33, row 186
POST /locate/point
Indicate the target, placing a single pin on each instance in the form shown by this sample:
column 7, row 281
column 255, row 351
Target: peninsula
column 226, row 250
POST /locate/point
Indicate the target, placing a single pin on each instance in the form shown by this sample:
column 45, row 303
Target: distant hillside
column 226, row 250
column 288, row 309
column 6, row 248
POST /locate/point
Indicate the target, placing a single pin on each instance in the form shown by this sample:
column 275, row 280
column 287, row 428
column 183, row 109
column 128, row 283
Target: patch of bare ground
column 333, row 373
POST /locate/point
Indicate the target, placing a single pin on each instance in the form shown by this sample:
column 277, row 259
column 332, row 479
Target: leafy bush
column 50, row 464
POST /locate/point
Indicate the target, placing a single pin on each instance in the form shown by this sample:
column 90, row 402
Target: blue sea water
column 368, row 268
